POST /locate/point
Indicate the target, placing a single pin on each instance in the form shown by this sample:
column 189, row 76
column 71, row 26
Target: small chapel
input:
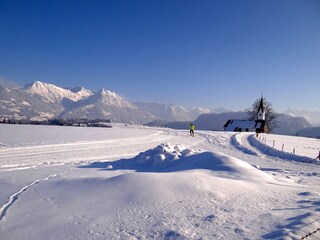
column 259, row 125
column 261, row 119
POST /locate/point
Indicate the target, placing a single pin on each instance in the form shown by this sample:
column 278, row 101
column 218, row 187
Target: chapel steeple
column 261, row 110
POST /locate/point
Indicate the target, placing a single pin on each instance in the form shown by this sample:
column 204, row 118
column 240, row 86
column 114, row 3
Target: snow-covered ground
column 133, row 182
column 301, row 146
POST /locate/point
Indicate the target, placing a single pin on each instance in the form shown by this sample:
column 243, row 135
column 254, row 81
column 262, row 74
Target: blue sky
column 205, row 53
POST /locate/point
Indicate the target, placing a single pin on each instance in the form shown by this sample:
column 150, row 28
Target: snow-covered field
column 132, row 182
column 309, row 147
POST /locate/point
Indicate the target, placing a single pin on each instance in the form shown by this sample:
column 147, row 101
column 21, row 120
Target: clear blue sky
column 205, row 53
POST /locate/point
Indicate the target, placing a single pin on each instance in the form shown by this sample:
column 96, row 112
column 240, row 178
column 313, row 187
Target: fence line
column 264, row 140
column 310, row 234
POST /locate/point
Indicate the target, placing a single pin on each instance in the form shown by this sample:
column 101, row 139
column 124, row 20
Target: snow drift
column 171, row 158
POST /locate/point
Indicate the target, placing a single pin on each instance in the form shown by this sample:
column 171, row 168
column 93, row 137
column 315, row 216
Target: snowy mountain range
column 42, row 101
column 311, row 116
column 171, row 112
column 313, row 132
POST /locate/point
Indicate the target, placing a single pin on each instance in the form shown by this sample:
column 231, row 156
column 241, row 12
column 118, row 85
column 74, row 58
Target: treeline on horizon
column 61, row 122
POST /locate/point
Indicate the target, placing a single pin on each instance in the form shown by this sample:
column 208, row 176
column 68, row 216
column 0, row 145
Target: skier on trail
column 192, row 129
column 318, row 156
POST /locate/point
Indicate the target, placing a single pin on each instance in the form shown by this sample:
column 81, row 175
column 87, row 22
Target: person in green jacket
column 192, row 129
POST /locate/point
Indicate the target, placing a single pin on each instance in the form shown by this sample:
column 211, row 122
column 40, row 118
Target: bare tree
column 270, row 115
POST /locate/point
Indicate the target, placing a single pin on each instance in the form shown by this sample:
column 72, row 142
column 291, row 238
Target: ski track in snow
column 19, row 158
column 218, row 140
column 14, row 197
column 230, row 143
column 243, row 145
column 248, row 144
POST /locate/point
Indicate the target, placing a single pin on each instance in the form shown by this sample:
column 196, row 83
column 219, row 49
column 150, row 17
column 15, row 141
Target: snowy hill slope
column 310, row 132
column 148, row 183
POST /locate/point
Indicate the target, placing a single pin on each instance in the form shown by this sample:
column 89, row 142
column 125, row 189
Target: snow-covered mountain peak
column 112, row 98
column 51, row 93
column 37, row 85
column 108, row 92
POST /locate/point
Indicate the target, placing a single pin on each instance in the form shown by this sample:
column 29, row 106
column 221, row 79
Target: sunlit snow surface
column 133, row 182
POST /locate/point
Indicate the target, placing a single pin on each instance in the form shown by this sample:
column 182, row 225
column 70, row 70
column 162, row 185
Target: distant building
column 237, row 125
column 259, row 125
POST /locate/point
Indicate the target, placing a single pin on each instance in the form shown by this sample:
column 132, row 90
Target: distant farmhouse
column 259, row 125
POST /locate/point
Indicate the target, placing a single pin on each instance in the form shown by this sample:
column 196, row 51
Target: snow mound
column 164, row 155
column 173, row 158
